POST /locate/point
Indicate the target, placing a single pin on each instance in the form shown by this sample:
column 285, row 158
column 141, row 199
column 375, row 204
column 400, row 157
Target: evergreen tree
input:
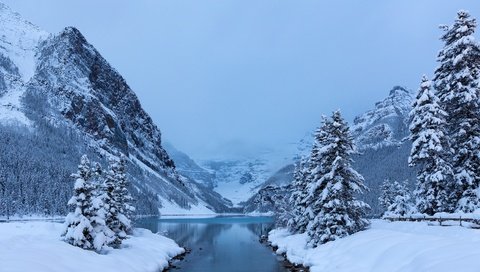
column 86, row 226
column 431, row 153
column 79, row 230
column 456, row 80
column 333, row 184
column 298, row 221
column 103, row 234
column 401, row 204
column 387, row 194
column 117, row 200
column 125, row 198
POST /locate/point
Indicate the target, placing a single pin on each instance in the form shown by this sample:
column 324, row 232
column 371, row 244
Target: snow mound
column 36, row 246
column 394, row 247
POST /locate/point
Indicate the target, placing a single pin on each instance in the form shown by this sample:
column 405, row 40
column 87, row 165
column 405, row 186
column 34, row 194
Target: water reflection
column 219, row 243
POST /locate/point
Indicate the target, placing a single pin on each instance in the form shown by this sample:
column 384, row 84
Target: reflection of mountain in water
column 219, row 244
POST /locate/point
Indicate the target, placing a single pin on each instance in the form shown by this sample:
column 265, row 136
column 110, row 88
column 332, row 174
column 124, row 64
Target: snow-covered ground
column 36, row 246
column 170, row 208
column 394, row 247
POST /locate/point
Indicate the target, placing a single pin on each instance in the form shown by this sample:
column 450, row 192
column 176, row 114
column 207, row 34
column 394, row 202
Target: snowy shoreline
column 37, row 246
column 387, row 246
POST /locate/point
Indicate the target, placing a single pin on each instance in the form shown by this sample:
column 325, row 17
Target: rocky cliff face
column 62, row 83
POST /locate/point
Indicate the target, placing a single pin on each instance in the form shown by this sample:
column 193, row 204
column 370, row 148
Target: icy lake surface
column 224, row 243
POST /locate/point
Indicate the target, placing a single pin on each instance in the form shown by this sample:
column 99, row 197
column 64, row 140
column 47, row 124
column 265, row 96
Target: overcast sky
column 253, row 74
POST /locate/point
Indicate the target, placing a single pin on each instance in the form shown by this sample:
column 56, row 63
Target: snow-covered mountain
column 238, row 179
column 385, row 125
column 57, row 85
column 188, row 167
column 381, row 138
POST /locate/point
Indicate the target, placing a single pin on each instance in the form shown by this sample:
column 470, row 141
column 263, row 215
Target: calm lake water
column 219, row 244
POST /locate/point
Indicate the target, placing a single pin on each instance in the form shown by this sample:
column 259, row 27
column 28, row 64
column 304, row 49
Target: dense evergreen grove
column 445, row 127
column 445, row 135
column 101, row 205
column 35, row 174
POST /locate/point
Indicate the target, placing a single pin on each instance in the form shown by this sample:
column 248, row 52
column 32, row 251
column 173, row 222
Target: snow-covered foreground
column 36, row 246
column 394, row 247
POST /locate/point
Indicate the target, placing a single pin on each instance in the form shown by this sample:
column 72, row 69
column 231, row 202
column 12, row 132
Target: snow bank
column 36, row 246
column 396, row 246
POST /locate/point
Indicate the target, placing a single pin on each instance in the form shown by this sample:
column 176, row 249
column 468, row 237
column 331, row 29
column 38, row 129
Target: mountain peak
column 399, row 90
column 73, row 34
column 19, row 40
column 386, row 124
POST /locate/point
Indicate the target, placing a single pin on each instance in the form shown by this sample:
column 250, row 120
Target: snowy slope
column 399, row 247
column 189, row 168
column 240, row 178
column 36, row 246
column 19, row 40
column 60, row 85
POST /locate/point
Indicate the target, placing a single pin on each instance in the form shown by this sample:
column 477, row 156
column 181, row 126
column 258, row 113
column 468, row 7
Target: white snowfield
column 36, row 246
column 392, row 247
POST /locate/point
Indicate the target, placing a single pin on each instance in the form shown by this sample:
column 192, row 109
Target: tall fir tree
column 431, row 153
column 78, row 226
column 456, row 80
column 298, row 221
column 117, row 200
column 86, row 226
column 333, row 185
column 125, row 198
column 401, row 204
column 387, row 194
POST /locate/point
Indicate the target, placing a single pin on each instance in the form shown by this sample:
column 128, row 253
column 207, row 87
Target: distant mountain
column 235, row 179
column 381, row 138
column 238, row 179
column 60, row 95
column 385, row 125
column 189, row 168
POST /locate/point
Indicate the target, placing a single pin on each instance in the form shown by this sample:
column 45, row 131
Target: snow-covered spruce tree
column 402, row 200
column 387, row 194
column 299, row 221
column 333, row 184
column 126, row 207
column 456, row 81
column 431, row 153
column 117, row 200
column 103, row 234
column 86, row 226
column 79, row 230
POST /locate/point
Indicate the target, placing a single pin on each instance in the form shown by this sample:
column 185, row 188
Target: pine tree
column 431, row 153
column 79, row 230
column 456, row 80
column 103, row 234
column 117, row 200
column 333, row 184
column 298, row 221
column 125, row 199
column 86, row 226
column 387, row 194
column 401, row 204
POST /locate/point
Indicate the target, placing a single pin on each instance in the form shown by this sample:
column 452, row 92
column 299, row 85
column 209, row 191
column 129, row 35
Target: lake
column 219, row 244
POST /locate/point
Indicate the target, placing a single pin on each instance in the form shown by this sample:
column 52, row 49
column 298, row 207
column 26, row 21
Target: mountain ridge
column 60, row 85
